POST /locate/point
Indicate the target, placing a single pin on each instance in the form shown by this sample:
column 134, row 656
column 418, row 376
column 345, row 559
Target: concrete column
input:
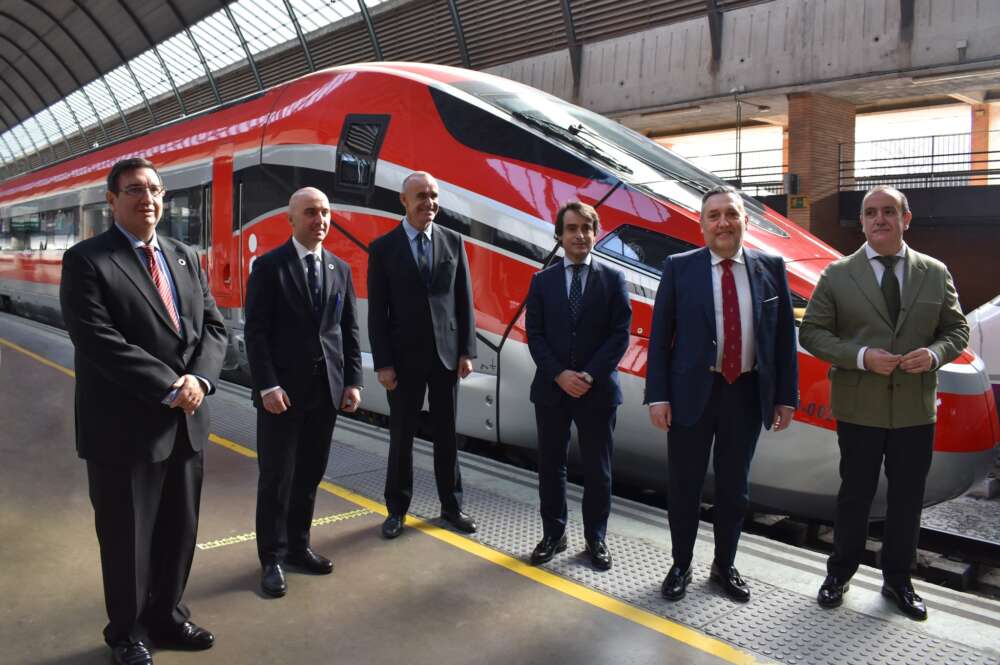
column 980, row 142
column 818, row 126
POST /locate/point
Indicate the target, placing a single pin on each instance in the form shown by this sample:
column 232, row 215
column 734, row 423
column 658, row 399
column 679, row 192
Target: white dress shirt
column 584, row 273
column 747, row 349
column 879, row 269
column 412, row 233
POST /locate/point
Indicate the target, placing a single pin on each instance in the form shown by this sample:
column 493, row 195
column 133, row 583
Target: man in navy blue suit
column 722, row 361
column 577, row 319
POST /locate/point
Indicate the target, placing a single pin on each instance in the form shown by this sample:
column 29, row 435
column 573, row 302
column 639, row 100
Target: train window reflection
column 183, row 216
column 642, row 248
column 96, row 219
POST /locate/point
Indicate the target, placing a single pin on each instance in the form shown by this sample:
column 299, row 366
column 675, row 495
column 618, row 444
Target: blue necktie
column 314, row 291
column 422, row 263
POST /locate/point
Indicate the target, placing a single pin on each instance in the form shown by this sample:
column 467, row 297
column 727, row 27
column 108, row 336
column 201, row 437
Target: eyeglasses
column 156, row 191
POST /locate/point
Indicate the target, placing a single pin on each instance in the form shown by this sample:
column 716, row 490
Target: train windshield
column 638, row 160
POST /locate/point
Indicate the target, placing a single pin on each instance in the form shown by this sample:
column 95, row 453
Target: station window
column 96, row 219
column 184, row 216
column 357, row 156
column 641, row 247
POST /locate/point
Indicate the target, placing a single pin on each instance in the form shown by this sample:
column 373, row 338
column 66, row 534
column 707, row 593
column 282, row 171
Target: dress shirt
column 161, row 261
column 584, row 272
column 412, row 234
column 739, row 268
column 900, row 270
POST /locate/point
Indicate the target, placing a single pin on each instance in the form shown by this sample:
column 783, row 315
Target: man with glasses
column 149, row 347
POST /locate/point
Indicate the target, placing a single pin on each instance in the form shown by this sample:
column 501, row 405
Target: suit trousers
column 594, row 427
column 146, row 517
column 907, row 452
column 731, row 420
column 440, row 384
column 292, row 452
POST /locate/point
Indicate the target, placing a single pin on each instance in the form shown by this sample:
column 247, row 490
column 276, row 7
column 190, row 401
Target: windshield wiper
column 571, row 136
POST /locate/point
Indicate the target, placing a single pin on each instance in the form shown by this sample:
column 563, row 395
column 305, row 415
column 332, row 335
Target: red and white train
column 505, row 156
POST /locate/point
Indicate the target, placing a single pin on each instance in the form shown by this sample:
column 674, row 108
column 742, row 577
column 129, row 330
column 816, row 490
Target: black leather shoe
column 907, row 600
column 459, row 520
column 600, row 557
column 731, row 582
column 310, row 562
column 393, row 526
column 188, row 636
column 131, row 653
column 272, row 580
column 831, row 594
column 547, row 548
column 675, row 584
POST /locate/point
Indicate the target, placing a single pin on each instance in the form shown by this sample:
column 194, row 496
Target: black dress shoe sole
column 273, row 593
column 909, row 611
column 537, row 561
column 178, row 645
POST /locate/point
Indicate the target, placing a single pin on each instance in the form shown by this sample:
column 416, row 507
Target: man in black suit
column 422, row 327
column 722, row 361
column 149, row 346
column 305, row 362
column 577, row 319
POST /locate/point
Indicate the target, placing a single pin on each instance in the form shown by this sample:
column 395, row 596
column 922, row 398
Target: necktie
column 160, row 281
column 423, row 265
column 575, row 293
column 732, row 351
column 313, row 277
column 890, row 286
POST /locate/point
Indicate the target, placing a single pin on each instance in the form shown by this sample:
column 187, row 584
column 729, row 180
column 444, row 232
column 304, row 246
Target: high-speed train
column 984, row 339
column 505, row 157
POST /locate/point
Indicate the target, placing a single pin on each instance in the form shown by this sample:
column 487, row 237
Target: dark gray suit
column 144, row 459
column 421, row 330
column 312, row 359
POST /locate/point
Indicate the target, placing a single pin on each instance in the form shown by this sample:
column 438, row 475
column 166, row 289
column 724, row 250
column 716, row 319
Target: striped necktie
column 160, row 280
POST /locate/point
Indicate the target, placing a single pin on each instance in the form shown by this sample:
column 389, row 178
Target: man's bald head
column 309, row 215
column 420, row 198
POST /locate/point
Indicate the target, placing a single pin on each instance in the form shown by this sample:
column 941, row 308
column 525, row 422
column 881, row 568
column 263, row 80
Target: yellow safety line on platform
column 681, row 633
column 252, row 535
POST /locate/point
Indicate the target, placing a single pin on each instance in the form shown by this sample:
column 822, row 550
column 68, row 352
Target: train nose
column 967, row 411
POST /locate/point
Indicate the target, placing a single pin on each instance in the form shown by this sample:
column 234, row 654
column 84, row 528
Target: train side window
column 58, row 228
column 183, row 216
column 96, row 219
column 641, row 247
column 357, row 156
column 6, row 235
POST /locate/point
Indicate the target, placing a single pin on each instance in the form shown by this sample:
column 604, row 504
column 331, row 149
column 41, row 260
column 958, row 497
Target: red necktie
column 732, row 352
column 161, row 286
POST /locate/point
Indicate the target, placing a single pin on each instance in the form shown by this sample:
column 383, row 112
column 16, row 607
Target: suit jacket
column 284, row 338
column 406, row 319
column 127, row 351
column 599, row 338
column 682, row 347
column 847, row 311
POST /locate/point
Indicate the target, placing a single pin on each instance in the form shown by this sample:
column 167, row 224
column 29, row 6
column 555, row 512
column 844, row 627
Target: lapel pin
column 182, row 262
column 330, row 266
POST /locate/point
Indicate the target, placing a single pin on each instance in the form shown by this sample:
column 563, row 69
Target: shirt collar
column 301, row 250
column 872, row 254
column 135, row 242
column 716, row 259
column 412, row 232
column 567, row 263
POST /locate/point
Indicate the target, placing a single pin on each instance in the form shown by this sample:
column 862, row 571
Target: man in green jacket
column 887, row 318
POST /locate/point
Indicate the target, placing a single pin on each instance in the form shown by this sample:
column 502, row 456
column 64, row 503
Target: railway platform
column 431, row 596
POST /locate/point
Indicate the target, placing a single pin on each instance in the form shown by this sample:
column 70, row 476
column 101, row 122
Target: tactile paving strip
column 782, row 626
column 966, row 516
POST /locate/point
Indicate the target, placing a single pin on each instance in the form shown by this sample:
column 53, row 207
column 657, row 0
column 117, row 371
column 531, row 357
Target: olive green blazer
column 847, row 311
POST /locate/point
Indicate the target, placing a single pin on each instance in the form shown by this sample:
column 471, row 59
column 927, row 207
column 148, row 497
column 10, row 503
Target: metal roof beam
column 156, row 51
column 90, row 59
column 715, row 30
column 243, row 43
column 121, row 56
column 456, row 21
column 197, row 49
column 300, row 35
column 371, row 29
column 51, row 83
column 575, row 50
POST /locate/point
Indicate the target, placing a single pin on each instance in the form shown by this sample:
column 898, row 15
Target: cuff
column 937, row 361
column 265, row 391
column 861, row 357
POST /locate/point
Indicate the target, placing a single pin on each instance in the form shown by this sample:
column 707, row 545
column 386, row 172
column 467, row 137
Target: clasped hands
column 883, row 362
column 277, row 401
column 190, row 394
column 387, row 375
column 661, row 415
